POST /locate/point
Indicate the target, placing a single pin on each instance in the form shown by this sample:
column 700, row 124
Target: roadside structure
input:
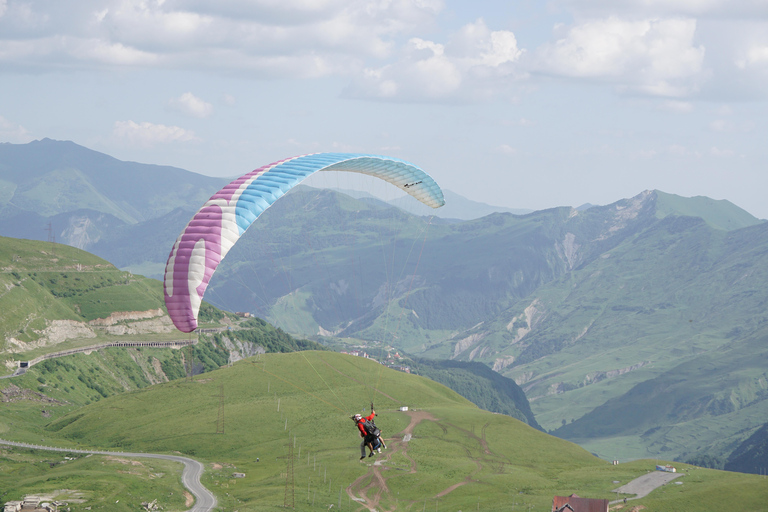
column 29, row 504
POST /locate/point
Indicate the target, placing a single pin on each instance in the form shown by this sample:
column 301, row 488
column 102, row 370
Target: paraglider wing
column 224, row 218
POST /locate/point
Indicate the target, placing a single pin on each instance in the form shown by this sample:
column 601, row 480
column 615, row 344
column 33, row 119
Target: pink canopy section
column 223, row 219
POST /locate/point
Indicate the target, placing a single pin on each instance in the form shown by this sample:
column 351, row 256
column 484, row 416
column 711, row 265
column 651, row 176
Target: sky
column 523, row 104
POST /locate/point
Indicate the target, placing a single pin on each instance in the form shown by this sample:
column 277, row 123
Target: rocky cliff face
column 117, row 324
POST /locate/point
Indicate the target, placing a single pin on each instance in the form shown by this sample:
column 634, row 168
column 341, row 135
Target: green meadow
column 283, row 421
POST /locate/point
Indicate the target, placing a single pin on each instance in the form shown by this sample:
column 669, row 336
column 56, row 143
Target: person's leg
column 362, row 448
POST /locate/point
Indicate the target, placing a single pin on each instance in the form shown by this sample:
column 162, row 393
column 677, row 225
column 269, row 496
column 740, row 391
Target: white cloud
column 191, row 105
column 507, row 149
column 12, row 132
column 654, row 56
column 714, row 151
column 476, row 62
column 678, row 150
column 721, row 125
column 73, row 52
column 645, row 154
column 730, row 126
column 388, row 47
column 643, row 8
column 755, row 56
column 271, row 38
column 724, row 110
column 681, row 107
column 148, row 134
column 99, row 51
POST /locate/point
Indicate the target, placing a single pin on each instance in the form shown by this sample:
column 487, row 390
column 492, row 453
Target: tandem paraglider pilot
column 370, row 433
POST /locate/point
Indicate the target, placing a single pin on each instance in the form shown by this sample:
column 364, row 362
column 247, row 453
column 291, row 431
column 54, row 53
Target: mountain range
column 636, row 329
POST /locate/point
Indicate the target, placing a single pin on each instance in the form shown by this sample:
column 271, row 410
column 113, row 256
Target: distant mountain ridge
column 456, row 207
column 81, row 192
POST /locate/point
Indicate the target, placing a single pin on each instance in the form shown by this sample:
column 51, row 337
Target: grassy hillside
column 98, row 482
column 480, row 385
column 457, row 457
column 43, row 283
column 752, row 454
column 720, row 214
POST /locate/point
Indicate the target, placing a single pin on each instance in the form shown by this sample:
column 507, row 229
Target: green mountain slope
column 480, row 385
column 718, row 214
column 750, row 456
column 52, row 291
column 348, row 266
column 62, row 182
column 250, row 417
column 680, row 303
column 55, row 301
column 578, row 307
column 56, row 297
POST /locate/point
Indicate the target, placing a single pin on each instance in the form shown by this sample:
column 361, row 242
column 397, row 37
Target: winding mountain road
column 205, row 501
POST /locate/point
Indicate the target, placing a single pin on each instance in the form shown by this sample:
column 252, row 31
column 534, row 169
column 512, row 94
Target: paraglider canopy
column 224, row 218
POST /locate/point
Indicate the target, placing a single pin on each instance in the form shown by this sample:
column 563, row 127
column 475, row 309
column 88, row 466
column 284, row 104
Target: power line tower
column 220, row 418
column 289, row 502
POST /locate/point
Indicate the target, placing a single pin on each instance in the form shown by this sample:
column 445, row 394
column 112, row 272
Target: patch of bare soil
column 188, row 499
column 632, row 508
column 123, row 461
column 14, row 393
column 121, row 316
column 416, row 418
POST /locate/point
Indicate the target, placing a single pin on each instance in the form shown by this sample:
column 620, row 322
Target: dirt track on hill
column 369, row 489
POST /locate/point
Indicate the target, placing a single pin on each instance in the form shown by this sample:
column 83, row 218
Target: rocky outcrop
column 58, row 331
column 122, row 316
column 116, row 324
column 521, row 325
column 502, row 362
column 241, row 349
column 14, row 393
column 467, row 342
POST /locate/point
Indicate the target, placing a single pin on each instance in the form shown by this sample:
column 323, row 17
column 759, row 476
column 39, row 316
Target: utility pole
column 51, row 238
